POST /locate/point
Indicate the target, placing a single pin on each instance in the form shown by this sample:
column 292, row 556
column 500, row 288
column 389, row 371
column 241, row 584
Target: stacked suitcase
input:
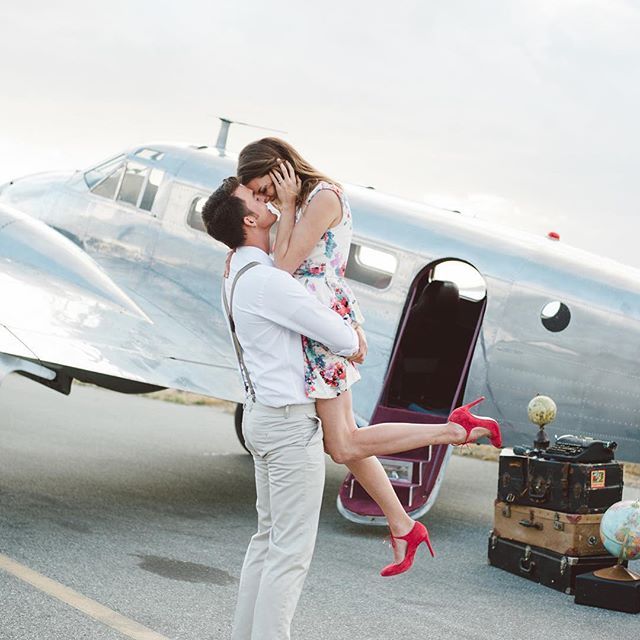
column 548, row 512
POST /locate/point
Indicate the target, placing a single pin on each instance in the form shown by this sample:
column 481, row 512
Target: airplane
column 109, row 277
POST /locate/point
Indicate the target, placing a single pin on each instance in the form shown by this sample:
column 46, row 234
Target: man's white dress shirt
column 271, row 310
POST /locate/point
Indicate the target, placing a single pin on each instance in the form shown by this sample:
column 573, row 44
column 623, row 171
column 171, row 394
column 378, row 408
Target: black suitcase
column 541, row 565
column 557, row 485
column 608, row 594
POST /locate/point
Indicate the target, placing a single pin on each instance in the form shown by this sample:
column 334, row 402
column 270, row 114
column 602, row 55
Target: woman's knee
column 340, row 453
column 345, row 453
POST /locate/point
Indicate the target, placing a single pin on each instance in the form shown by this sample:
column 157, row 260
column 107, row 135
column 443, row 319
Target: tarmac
column 138, row 512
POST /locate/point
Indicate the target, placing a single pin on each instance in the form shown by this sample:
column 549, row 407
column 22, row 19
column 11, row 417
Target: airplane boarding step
column 421, row 455
column 407, row 492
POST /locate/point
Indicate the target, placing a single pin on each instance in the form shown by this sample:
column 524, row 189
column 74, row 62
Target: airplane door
column 425, row 380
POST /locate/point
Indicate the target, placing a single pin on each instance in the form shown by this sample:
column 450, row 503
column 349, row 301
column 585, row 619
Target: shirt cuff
column 353, row 349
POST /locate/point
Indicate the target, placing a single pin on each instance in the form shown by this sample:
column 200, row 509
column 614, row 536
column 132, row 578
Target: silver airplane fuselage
column 535, row 316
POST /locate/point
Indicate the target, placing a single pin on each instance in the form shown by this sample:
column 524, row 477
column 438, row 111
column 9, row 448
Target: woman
column 312, row 243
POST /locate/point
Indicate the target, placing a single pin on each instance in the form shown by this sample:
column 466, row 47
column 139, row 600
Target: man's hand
column 363, row 347
column 287, row 185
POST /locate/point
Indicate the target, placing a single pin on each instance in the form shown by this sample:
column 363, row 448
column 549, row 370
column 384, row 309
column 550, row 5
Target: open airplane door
column 425, row 381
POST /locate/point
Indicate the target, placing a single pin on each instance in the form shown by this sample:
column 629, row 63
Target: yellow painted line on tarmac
column 93, row 609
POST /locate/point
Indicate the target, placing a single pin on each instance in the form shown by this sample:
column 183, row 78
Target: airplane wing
column 63, row 312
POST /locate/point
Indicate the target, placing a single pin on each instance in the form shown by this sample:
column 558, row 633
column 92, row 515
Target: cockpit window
column 109, row 185
column 151, row 188
column 194, row 219
column 134, row 183
column 102, row 171
column 149, row 154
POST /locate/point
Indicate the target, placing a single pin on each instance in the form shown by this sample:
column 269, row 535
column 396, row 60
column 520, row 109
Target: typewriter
column 571, row 448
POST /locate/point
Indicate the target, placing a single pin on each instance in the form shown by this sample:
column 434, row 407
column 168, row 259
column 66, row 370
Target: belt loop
column 286, row 411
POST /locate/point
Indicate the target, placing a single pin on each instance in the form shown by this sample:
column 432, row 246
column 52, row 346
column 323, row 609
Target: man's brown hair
column 223, row 214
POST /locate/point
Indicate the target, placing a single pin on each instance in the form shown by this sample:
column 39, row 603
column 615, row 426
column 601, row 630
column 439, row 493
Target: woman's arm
column 294, row 242
column 287, row 186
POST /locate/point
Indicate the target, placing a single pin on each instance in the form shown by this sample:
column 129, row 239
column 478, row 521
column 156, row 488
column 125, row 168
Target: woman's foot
column 475, row 426
column 464, row 437
column 398, row 545
column 412, row 541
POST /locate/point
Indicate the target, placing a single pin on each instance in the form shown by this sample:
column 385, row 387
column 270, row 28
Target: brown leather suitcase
column 575, row 535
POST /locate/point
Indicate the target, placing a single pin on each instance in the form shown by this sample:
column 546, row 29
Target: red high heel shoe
column 468, row 421
column 414, row 538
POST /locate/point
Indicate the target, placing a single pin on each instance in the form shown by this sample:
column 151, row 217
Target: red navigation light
column 552, row 235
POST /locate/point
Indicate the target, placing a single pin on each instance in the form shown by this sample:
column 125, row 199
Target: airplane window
column 371, row 266
column 149, row 154
column 555, row 316
column 194, row 219
column 132, row 183
column 107, row 188
column 95, row 175
column 151, row 188
column 470, row 283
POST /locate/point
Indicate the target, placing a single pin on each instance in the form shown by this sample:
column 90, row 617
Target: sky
column 522, row 112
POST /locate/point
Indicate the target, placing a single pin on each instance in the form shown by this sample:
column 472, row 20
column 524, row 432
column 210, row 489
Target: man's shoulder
column 256, row 269
column 271, row 280
column 262, row 275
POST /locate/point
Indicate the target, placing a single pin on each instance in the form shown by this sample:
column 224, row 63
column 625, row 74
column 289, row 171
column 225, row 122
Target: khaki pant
column 288, row 454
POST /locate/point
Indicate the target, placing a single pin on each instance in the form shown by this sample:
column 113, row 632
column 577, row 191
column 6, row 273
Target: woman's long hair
column 258, row 158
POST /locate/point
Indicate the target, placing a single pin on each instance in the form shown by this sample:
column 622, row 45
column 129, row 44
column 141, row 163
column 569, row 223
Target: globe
column 620, row 530
column 542, row 410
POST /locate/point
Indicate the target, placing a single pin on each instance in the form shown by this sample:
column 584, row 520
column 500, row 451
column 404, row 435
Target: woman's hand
column 287, row 185
column 363, row 347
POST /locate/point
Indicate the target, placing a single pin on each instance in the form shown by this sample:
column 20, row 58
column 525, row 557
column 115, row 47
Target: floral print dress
column 322, row 274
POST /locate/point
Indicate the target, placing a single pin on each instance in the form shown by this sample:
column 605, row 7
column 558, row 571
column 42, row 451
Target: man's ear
column 250, row 221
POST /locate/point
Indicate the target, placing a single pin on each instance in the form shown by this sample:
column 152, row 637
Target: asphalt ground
column 144, row 509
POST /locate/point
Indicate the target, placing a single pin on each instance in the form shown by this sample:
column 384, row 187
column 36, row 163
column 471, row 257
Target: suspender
column 228, row 305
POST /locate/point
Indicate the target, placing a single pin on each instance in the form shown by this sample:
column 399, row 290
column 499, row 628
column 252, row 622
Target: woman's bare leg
column 350, row 443
column 339, row 427
column 371, row 475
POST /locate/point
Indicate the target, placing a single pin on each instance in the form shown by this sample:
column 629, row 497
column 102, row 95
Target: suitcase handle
column 531, row 525
column 526, row 569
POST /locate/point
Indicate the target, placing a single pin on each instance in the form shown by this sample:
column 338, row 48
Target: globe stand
column 541, row 440
column 618, row 573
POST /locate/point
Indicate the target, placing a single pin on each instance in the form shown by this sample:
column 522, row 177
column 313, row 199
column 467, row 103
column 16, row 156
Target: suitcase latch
column 493, row 539
column 506, row 510
column 563, row 565
column 557, row 525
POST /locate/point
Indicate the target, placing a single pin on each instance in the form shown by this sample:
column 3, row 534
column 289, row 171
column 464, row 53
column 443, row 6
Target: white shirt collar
column 251, row 254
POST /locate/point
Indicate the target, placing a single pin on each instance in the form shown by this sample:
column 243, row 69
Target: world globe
column 620, row 530
column 542, row 410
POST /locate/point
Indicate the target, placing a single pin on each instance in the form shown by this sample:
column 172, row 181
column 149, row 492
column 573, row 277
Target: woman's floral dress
column 322, row 273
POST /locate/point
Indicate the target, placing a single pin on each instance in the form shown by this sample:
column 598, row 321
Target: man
column 269, row 311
